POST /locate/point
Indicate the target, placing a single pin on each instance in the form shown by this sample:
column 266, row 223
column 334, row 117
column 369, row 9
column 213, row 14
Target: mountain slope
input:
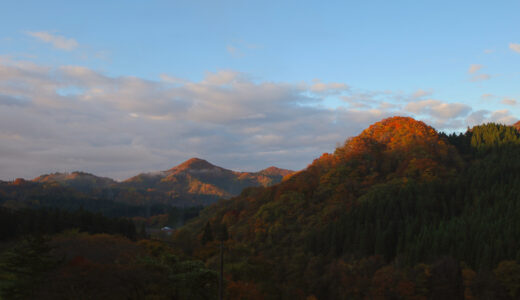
column 81, row 181
column 393, row 151
column 198, row 181
column 387, row 207
column 194, row 182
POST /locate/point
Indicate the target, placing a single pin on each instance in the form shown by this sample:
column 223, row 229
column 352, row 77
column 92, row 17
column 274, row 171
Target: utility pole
column 221, row 278
column 222, row 237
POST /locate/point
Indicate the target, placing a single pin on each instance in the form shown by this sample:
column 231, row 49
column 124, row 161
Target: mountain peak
column 64, row 177
column 400, row 146
column 275, row 171
column 394, row 133
column 398, row 129
column 194, row 163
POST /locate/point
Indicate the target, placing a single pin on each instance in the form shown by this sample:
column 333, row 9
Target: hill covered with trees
column 398, row 212
column 195, row 182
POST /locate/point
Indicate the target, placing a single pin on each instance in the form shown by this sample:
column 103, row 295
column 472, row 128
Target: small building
column 168, row 230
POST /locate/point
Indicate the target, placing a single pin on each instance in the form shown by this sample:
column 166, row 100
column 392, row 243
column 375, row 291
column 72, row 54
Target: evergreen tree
column 207, row 235
column 22, row 268
column 222, row 234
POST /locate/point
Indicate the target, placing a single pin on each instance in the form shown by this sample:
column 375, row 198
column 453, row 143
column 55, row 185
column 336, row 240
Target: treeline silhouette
column 26, row 194
column 48, row 221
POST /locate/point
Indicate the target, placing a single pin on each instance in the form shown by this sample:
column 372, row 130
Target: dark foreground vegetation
column 57, row 254
column 398, row 212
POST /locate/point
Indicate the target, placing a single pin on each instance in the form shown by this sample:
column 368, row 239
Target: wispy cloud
column 57, row 41
column 233, row 51
column 474, row 68
column 480, row 77
column 509, row 101
column 514, row 47
column 328, row 88
column 239, row 48
column 420, row 93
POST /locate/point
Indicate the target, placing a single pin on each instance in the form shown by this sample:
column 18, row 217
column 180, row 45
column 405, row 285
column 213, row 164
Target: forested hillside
column 198, row 182
column 80, row 236
column 398, row 212
column 78, row 265
column 195, row 182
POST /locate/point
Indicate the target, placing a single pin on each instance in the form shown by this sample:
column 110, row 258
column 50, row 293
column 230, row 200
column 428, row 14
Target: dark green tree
column 222, row 233
column 207, row 235
column 23, row 268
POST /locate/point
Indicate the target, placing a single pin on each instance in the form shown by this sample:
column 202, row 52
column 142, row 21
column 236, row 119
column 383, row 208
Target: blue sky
column 245, row 84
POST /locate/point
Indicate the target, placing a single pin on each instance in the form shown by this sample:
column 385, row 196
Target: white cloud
column 223, row 77
column 172, row 79
column 474, row 68
column 438, row 109
column 327, row 88
column 485, row 116
column 57, row 41
column 502, row 116
column 514, row 47
column 477, row 117
column 119, row 126
column 376, row 99
column 360, row 100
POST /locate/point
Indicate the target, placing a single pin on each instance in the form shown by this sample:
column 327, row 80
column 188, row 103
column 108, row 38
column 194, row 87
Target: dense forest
column 59, row 254
column 397, row 212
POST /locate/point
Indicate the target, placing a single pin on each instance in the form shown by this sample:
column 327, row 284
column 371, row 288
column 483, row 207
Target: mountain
column 398, row 212
column 192, row 183
column 80, row 181
column 196, row 181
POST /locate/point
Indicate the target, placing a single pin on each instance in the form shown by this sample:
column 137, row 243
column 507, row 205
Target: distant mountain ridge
column 193, row 182
column 198, row 180
column 81, row 181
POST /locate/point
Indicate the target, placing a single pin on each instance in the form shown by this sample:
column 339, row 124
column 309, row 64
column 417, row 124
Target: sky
column 116, row 88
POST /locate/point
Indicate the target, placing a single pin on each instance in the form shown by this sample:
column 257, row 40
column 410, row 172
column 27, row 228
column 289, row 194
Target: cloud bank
column 74, row 118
